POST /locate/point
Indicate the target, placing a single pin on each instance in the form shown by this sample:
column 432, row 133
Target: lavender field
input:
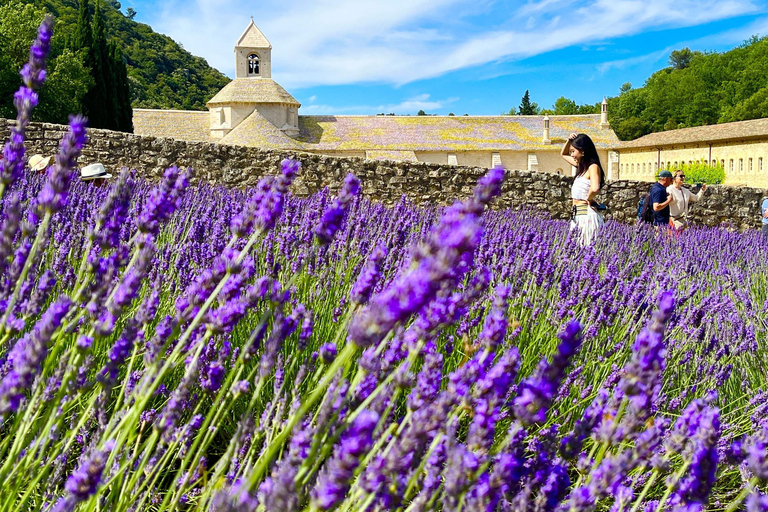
column 176, row 347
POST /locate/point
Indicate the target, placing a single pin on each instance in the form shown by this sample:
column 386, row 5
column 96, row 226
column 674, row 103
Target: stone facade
column 382, row 180
column 744, row 163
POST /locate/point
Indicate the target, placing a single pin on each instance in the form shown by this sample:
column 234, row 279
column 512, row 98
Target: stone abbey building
column 254, row 110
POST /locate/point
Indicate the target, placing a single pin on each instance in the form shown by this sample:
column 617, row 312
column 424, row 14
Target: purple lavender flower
column 328, row 353
column 10, row 226
column 53, row 196
column 25, row 100
column 27, row 356
column 642, row 377
column 234, row 498
column 489, row 186
column 441, row 261
column 369, row 277
column 757, row 454
column 84, row 482
column 163, row 200
column 334, row 215
column 113, row 212
column 537, row 391
column 495, row 326
column 702, row 424
column 757, row 502
column 334, row 482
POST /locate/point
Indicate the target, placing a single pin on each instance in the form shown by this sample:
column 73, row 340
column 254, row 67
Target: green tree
column 564, row 106
column 527, row 108
column 421, row 113
column 18, row 26
column 632, row 128
column 67, row 83
column 681, row 59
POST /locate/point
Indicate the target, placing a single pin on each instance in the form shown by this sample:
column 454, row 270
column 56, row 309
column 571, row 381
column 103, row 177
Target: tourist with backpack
column 659, row 199
column 580, row 152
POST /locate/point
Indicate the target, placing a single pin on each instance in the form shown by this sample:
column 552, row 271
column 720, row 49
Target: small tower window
column 253, row 64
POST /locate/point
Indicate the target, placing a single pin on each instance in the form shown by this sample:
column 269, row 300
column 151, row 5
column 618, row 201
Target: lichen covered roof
column 402, row 156
column 191, row 125
column 753, row 129
column 257, row 131
column 252, row 90
column 446, row 133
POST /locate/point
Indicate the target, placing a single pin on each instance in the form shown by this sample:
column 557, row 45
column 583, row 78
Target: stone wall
column 385, row 180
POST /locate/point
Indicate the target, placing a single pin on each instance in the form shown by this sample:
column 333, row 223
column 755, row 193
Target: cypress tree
column 83, row 37
column 124, row 110
column 96, row 102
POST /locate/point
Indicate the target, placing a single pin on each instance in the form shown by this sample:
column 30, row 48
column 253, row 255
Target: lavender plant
column 178, row 346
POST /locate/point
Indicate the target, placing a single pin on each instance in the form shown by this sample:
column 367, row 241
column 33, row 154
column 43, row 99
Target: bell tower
column 253, row 54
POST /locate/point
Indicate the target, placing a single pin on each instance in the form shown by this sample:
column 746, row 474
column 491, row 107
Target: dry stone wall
column 384, row 181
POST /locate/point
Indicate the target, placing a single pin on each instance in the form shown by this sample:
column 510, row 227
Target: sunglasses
column 680, row 176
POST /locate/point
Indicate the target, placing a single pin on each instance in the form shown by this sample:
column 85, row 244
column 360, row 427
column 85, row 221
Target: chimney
column 604, row 114
column 546, row 139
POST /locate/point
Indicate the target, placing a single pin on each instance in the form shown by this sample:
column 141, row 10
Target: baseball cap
column 665, row 174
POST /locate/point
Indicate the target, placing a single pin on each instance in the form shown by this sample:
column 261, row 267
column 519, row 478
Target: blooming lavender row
column 177, row 347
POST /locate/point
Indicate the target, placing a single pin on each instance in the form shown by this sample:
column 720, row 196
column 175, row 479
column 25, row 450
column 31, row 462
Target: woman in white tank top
column 580, row 152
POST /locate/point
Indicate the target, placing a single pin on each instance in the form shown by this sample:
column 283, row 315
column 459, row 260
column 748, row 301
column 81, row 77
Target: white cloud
column 407, row 106
column 330, row 42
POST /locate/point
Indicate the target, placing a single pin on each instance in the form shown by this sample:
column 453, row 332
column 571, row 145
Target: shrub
column 701, row 172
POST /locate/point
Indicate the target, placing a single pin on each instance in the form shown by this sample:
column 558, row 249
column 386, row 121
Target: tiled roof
column 402, row 156
column 382, row 137
column 446, row 133
column 191, row 125
column 257, row 131
column 754, row 129
column 252, row 90
column 252, row 37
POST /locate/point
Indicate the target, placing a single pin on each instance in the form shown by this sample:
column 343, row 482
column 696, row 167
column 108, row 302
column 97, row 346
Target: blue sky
column 462, row 56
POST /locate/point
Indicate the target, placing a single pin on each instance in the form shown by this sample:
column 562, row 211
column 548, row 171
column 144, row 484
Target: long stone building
column 254, row 110
column 741, row 148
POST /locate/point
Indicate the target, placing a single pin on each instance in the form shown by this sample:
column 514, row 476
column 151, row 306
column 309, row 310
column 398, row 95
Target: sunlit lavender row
column 176, row 347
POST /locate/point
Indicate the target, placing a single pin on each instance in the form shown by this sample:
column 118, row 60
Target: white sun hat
column 39, row 162
column 94, row 172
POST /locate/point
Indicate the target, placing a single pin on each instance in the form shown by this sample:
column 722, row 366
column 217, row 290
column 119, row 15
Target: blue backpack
column 644, row 208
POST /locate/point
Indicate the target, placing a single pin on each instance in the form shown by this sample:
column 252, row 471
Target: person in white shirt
column 580, row 152
column 681, row 201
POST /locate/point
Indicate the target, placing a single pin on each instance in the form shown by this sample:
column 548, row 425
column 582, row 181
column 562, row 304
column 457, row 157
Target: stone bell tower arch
column 253, row 54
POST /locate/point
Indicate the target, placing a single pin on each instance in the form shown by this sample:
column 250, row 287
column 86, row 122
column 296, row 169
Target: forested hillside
column 696, row 89
column 161, row 74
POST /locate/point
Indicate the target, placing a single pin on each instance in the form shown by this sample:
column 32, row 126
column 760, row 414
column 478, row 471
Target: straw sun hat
column 39, row 162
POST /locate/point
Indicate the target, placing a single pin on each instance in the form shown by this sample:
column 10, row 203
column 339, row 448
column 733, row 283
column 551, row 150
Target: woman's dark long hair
column 583, row 143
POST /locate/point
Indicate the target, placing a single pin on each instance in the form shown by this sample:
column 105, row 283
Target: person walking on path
column 660, row 199
column 681, row 201
column 580, row 152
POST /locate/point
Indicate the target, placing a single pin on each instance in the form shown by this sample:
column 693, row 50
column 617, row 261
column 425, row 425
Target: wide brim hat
column 39, row 162
column 94, row 172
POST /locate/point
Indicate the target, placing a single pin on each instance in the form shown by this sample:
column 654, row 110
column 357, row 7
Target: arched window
column 730, row 165
column 253, row 64
column 722, row 164
column 643, row 168
column 750, row 165
column 741, row 165
column 760, row 164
